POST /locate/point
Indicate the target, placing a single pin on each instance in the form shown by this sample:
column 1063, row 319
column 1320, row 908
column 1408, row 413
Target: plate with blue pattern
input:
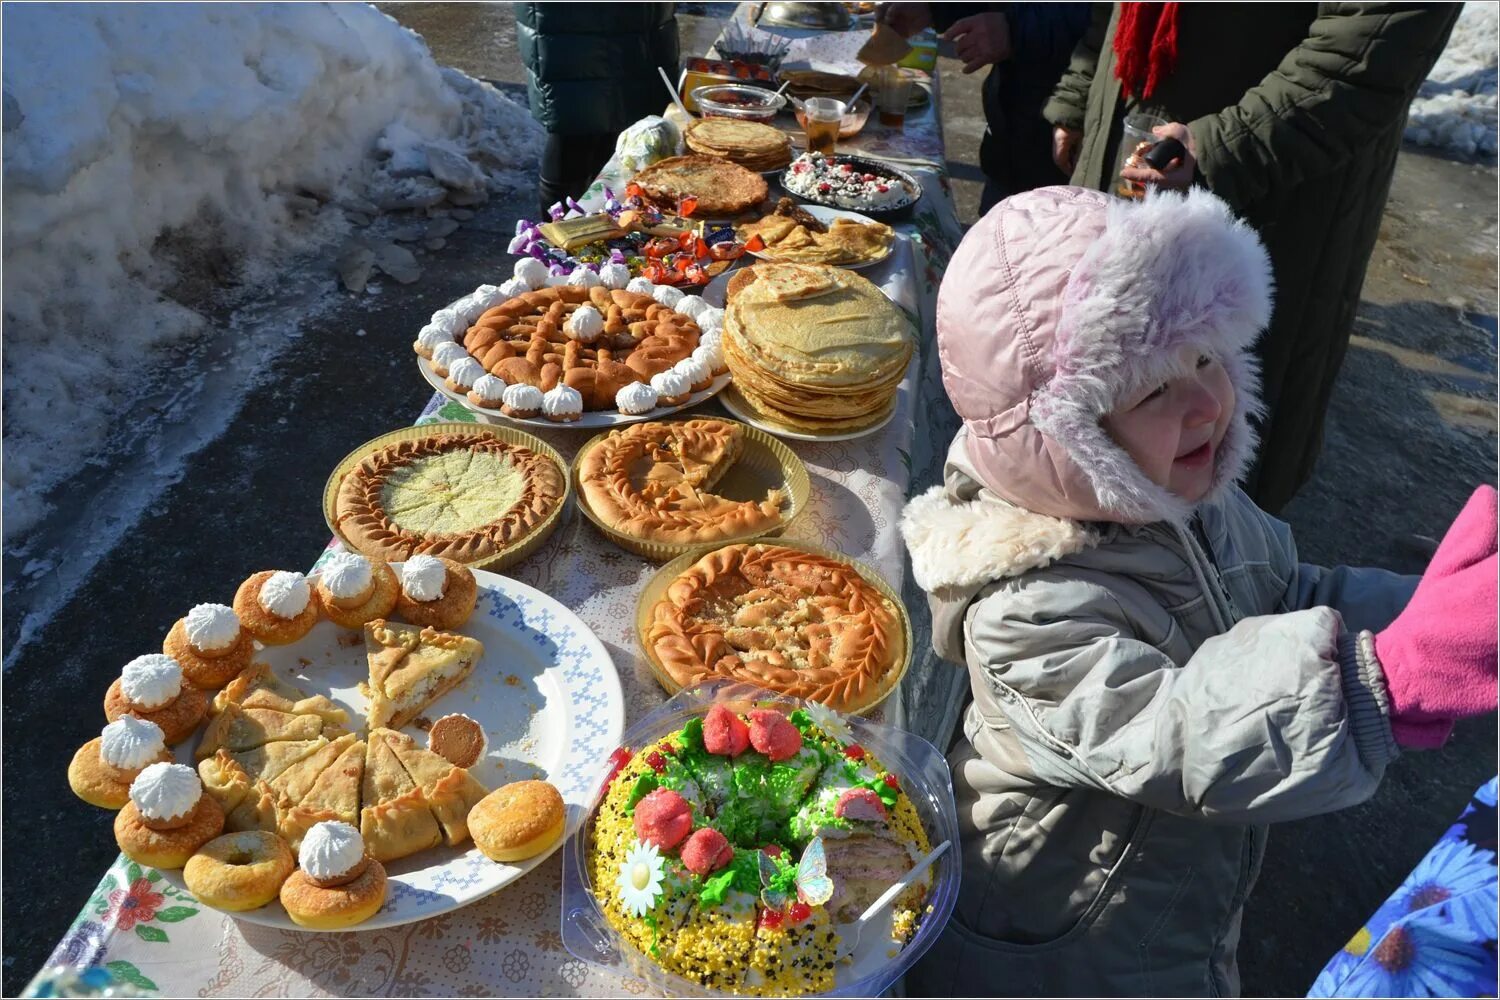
column 548, row 697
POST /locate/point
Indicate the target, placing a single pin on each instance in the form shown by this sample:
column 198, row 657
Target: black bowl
column 866, row 165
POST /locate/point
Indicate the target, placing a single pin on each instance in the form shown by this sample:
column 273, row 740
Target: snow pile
column 1455, row 107
column 156, row 154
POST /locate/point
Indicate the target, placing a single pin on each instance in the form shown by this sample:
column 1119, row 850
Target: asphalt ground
column 1410, row 431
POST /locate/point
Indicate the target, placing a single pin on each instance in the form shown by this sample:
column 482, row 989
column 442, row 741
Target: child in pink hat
column 1156, row 677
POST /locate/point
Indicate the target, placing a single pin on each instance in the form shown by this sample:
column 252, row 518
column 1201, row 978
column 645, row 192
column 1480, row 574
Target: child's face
column 1173, row 431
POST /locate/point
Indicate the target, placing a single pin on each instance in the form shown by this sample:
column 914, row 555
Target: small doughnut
column 517, row 821
column 312, row 905
column 239, row 871
column 208, row 672
column 101, row 784
column 269, row 628
column 381, row 602
column 460, row 593
column 167, row 848
column 178, row 718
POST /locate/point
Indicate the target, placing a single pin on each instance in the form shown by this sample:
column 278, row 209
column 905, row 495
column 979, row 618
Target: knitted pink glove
column 1439, row 653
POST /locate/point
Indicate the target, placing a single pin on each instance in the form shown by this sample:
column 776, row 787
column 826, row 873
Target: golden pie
column 394, row 818
column 721, row 189
column 450, row 791
column 258, row 687
column 788, row 620
column 654, row 481
column 334, row 795
column 237, row 728
column 229, row 777
column 269, row 799
column 410, row 668
column 532, row 340
column 464, row 497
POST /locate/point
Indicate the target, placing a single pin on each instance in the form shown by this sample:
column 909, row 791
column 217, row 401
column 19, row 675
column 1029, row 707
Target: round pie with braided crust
column 783, row 618
column 532, row 340
column 464, row 497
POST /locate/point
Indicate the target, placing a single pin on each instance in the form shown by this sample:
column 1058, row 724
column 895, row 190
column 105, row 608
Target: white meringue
column 710, row 337
column 433, row 337
column 514, row 287
column 614, row 276
column 711, row 318
column 692, row 306
column 562, row 401
column 449, row 354
column 489, row 388
column 641, row 286
column 695, row 369
column 667, row 295
column 531, row 271
column 637, row 397
column 346, row 574
column 151, row 681
column 285, row 594
column 129, row 743
column 211, row 627
column 585, row 324
column 450, row 321
column 423, row 577
column 465, row 372
column 671, row 384
column 330, row 849
column 524, row 399
column 582, row 277
column 485, row 298
column 166, row 791
column 711, row 355
column 557, row 280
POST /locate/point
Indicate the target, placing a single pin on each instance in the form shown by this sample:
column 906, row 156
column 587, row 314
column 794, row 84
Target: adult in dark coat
column 1293, row 114
column 590, row 72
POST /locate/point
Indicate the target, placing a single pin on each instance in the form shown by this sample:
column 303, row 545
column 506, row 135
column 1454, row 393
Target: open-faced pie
column 785, row 619
column 237, row 728
column 721, row 189
column 333, row 796
column 654, row 481
column 464, row 497
column 410, row 668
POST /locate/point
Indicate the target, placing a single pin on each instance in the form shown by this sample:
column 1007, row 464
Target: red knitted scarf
column 1145, row 46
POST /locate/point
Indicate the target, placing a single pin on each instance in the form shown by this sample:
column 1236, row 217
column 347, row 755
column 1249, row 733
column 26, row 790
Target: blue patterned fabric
column 1435, row 935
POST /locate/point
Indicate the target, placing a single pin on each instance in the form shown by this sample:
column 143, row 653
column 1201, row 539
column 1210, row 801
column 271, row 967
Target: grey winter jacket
column 1146, row 700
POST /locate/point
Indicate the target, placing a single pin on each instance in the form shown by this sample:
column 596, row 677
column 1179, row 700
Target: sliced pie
column 229, row 777
column 394, row 818
column 237, row 728
column 270, row 797
column 450, row 791
column 653, row 481
column 410, row 668
column 257, row 686
column 333, row 796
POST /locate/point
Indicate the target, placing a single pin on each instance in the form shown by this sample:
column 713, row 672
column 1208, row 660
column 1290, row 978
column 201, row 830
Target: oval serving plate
column 870, row 165
column 826, row 216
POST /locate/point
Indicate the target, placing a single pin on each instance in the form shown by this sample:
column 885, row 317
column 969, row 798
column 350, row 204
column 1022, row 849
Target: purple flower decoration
column 82, row 947
column 609, row 195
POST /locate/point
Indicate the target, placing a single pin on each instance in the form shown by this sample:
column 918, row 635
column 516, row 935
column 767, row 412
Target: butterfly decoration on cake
column 808, row 882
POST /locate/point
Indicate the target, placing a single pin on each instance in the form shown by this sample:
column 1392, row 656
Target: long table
column 159, row 939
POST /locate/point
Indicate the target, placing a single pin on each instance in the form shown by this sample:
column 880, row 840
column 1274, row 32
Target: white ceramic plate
column 595, row 419
column 548, row 696
column 740, row 411
column 825, row 216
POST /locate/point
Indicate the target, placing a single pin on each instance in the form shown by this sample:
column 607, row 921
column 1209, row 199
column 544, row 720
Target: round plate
column 548, row 697
column 870, row 165
column 591, row 419
column 513, row 553
column 764, row 464
column 656, row 588
column 826, row 216
column 736, row 405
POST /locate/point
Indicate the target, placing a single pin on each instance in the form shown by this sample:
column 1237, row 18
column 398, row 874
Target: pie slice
column 229, row 777
column 238, row 728
column 257, row 686
column 410, row 668
column 395, row 820
column 333, row 796
column 268, row 798
column 451, row 791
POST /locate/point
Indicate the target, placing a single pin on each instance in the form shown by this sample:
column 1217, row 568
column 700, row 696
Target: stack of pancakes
column 816, row 349
column 750, row 144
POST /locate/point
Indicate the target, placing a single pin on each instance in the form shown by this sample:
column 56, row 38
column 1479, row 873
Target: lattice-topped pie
column 785, row 619
column 653, row 481
column 464, row 497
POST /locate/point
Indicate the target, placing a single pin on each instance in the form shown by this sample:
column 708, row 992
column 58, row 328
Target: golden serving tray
column 766, row 464
column 657, row 586
column 512, row 553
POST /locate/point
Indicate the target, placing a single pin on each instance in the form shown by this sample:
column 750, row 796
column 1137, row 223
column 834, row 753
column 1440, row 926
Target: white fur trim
column 966, row 544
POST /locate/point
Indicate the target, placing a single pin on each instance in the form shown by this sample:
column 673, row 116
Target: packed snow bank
column 1455, row 107
column 160, row 157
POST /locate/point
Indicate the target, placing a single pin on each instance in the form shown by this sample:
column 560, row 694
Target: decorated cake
column 733, row 851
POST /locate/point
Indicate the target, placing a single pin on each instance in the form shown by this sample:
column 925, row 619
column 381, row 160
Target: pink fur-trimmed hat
column 1062, row 301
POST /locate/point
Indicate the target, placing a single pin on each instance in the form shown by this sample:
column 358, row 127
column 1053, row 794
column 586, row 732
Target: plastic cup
column 824, row 115
column 1137, row 129
column 892, row 94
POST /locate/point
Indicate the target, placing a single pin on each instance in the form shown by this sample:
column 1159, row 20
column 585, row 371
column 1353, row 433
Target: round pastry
column 585, row 325
column 354, row 590
column 210, row 645
column 697, row 372
column 463, row 373
column 512, row 287
column 103, row 768
column 150, row 687
column 640, row 286
column 276, row 606
column 635, row 398
column 339, row 885
column 429, row 339
column 458, row 739
column 517, row 821
column 239, row 871
column 614, row 276
column 712, row 355
column 446, row 355
column 672, row 387
column 563, row 404
column 692, row 306
column 582, row 277
column 167, row 818
column 522, row 401
column 437, row 592
column 488, row 392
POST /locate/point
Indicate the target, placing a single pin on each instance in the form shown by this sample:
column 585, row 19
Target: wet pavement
column 1411, row 430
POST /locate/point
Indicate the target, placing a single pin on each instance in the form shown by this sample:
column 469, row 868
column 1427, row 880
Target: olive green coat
column 1297, row 112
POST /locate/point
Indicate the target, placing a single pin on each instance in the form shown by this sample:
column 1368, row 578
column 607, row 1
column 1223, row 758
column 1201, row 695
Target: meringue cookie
column 450, row 321
column 696, row 371
column 667, row 295
column 514, row 287
column 129, row 743
column 614, row 276
column 585, row 324
column 285, row 594
column 151, row 681
column 465, row 372
column 449, row 354
column 641, row 286
column 485, row 298
column 670, row 384
column 562, row 402
column 211, row 627
column 432, row 337
column 692, row 306
column 346, row 575
column 711, row 318
column 710, row 337
column 637, row 397
column 711, row 355
column 525, row 400
column 330, row 849
column 531, row 271
column 423, row 577
column 557, row 280
column 489, row 388
column 582, row 277
column 166, row 791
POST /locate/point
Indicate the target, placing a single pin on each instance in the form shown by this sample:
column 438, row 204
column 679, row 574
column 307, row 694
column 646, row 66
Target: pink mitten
column 1439, row 653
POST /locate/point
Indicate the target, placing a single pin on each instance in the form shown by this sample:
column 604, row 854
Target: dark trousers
column 569, row 165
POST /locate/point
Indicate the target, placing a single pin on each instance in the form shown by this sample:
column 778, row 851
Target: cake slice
column 238, row 728
column 257, row 686
column 451, row 791
column 333, row 796
column 269, row 797
column 394, row 820
column 229, row 777
column 410, row 668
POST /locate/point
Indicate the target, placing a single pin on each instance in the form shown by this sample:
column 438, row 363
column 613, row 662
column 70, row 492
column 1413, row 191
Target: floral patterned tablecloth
column 159, row 939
